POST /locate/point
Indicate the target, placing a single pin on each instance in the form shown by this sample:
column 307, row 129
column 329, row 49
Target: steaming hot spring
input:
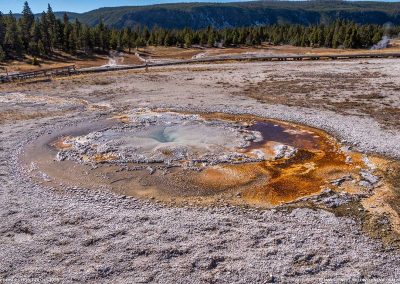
column 200, row 159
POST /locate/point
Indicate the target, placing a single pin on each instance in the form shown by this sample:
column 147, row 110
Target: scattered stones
column 340, row 181
column 368, row 179
column 332, row 199
column 368, row 163
column 284, row 151
column 349, row 160
column 150, row 170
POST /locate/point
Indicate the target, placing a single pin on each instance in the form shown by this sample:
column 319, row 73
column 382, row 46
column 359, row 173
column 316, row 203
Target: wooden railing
column 49, row 72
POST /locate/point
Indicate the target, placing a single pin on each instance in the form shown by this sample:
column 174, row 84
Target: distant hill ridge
column 219, row 15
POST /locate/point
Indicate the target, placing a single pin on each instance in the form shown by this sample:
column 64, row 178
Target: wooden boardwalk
column 71, row 70
column 248, row 58
column 59, row 71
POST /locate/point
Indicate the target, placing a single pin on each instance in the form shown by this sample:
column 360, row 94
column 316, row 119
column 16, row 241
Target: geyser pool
column 197, row 158
column 172, row 139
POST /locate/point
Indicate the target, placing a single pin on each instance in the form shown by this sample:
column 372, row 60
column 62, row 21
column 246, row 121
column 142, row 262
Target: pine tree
column 102, row 36
column 44, row 34
column 203, row 38
column 52, row 27
column 77, row 34
column 59, row 34
column 2, row 54
column 87, row 41
column 377, row 37
column 127, row 39
column 26, row 23
column 35, row 35
column 2, row 29
column 72, row 43
column 66, row 32
column 168, row 39
column 328, row 38
column 41, row 49
column 188, row 39
column 146, row 34
column 160, row 36
column 114, row 44
column 12, row 38
column 140, row 42
column 336, row 39
column 211, row 38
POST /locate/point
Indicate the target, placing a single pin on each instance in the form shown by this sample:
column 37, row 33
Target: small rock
column 340, row 181
column 150, row 170
column 284, row 151
column 369, row 177
column 349, row 160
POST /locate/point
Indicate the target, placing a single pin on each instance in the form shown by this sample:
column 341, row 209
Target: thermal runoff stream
column 199, row 158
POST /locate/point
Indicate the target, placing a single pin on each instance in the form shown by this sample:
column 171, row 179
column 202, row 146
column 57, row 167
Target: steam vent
column 199, row 158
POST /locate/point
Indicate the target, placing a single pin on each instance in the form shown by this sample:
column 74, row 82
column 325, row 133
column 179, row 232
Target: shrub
column 35, row 61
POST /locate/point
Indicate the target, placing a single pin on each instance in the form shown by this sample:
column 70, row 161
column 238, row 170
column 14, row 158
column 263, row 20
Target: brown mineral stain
column 60, row 143
column 385, row 199
column 317, row 162
column 227, row 176
column 123, row 118
column 104, row 157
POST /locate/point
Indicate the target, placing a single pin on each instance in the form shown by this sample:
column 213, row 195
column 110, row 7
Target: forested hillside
column 221, row 15
column 202, row 15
